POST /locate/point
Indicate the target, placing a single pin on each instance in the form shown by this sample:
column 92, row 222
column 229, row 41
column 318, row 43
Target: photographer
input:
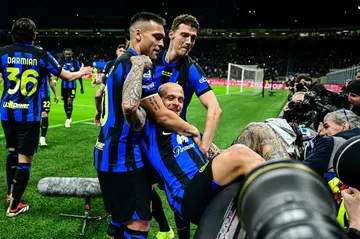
column 353, row 90
column 338, row 124
column 302, row 83
column 283, row 137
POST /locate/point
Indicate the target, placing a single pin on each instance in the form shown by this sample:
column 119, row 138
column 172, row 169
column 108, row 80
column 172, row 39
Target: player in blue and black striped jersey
column 45, row 105
column 117, row 151
column 68, row 89
column 24, row 69
column 175, row 65
column 190, row 180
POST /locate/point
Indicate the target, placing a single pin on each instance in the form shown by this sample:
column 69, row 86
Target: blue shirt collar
column 132, row 51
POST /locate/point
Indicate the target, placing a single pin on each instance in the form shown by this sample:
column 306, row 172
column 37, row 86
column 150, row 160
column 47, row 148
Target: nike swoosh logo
column 164, row 133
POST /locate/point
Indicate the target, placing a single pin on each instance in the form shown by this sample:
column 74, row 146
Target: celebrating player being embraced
column 190, row 180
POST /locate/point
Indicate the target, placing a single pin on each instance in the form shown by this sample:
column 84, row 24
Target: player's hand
column 142, row 60
column 347, row 82
column 56, row 99
column 93, row 83
column 86, row 70
column 97, row 118
column 82, row 90
column 204, row 150
column 352, row 204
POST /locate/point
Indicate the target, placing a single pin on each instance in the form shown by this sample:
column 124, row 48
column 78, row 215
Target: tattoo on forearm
column 263, row 140
column 154, row 103
column 139, row 121
column 132, row 89
column 213, row 151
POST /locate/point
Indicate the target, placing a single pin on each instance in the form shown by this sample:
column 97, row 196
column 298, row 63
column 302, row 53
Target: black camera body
column 317, row 99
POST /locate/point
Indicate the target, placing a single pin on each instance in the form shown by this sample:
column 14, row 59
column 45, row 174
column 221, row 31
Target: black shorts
column 23, row 136
column 198, row 194
column 45, row 105
column 127, row 195
column 68, row 93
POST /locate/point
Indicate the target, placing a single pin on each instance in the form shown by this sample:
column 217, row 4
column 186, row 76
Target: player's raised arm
column 71, row 76
column 132, row 97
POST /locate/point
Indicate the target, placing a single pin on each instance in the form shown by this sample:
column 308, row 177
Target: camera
column 346, row 163
column 274, row 203
column 318, row 101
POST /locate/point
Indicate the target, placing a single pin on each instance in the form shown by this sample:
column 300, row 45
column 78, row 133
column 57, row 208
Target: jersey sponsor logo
column 166, row 73
column 179, row 149
column 12, row 105
column 202, row 80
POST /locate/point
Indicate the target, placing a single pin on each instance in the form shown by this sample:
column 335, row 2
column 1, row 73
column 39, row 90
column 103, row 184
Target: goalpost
column 244, row 75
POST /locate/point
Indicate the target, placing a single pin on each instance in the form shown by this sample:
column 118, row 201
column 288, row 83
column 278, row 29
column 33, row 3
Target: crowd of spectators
column 315, row 56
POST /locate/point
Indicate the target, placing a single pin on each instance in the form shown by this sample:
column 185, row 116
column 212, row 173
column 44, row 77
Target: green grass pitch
column 70, row 153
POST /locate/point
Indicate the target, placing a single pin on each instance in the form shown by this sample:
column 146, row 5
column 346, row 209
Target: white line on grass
column 59, row 125
column 91, row 123
column 90, row 106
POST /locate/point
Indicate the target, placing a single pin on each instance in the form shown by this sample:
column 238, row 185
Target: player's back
column 24, row 69
column 186, row 72
column 71, row 65
column 175, row 157
column 117, row 147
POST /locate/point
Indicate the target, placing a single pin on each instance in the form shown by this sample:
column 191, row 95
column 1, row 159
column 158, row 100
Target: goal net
column 244, row 78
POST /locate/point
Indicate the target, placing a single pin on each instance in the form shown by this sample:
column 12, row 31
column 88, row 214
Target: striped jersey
column 71, row 65
column 117, row 148
column 176, row 158
column 186, row 73
column 24, row 69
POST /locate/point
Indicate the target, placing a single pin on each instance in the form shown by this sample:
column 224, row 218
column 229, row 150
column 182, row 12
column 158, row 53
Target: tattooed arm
column 213, row 151
column 131, row 96
column 155, row 108
column 263, row 140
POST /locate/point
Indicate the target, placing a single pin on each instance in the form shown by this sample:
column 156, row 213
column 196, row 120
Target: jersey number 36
column 28, row 76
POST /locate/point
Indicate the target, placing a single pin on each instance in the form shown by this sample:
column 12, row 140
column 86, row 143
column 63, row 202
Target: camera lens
column 286, row 199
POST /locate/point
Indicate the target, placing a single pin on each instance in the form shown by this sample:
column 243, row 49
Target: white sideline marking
column 90, row 106
column 91, row 123
column 63, row 125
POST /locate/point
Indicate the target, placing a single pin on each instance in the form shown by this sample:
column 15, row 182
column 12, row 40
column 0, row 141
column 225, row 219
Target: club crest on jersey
column 181, row 139
column 147, row 75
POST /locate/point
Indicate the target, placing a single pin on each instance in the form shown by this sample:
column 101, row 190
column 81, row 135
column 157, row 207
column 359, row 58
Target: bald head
column 167, row 87
column 172, row 95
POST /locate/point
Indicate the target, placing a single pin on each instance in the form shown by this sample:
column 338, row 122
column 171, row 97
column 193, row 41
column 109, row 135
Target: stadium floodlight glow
column 359, row 7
